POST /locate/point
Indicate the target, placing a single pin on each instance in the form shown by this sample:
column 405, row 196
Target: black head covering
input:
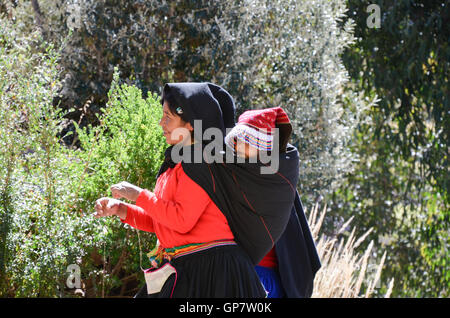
column 207, row 102
column 204, row 101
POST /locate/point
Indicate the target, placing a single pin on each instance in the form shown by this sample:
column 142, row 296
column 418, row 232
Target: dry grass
column 344, row 269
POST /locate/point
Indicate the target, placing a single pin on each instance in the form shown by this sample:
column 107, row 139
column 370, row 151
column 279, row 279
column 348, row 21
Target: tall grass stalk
column 344, row 272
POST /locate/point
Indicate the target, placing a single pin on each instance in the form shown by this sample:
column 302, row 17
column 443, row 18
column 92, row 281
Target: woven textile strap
column 159, row 253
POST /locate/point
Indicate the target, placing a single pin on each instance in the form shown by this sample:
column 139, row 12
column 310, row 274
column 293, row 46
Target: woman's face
column 175, row 129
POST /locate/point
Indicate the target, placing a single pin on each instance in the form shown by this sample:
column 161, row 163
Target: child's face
column 245, row 150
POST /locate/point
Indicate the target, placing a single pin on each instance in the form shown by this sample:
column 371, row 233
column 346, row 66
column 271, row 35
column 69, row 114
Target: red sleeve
column 181, row 214
column 137, row 218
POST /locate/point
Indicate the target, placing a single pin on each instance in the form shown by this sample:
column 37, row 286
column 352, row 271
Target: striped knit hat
column 257, row 128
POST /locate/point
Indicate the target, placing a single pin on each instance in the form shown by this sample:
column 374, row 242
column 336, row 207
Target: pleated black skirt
column 218, row 272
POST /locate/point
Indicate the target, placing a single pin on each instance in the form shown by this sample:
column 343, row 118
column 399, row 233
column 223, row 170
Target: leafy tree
column 401, row 185
column 265, row 53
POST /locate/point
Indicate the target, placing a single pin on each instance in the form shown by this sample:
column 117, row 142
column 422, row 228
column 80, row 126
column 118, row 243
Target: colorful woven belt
column 159, row 254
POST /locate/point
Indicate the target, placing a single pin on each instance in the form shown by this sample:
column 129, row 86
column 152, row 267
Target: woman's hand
column 125, row 190
column 108, row 207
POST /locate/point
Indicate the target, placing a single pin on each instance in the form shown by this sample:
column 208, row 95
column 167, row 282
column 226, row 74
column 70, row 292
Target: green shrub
column 35, row 238
column 47, row 191
column 127, row 145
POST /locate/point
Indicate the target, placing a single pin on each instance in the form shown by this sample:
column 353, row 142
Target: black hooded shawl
column 298, row 261
column 257, row 206
column 205, row 101
column 261, row 209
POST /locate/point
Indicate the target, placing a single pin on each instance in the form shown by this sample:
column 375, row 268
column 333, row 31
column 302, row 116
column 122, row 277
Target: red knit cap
column 264, row 118
column 257, row 127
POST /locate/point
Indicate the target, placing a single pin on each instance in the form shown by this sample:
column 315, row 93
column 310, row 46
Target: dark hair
column 174, row 107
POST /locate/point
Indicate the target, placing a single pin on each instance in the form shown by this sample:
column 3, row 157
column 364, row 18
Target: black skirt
column 218, row 272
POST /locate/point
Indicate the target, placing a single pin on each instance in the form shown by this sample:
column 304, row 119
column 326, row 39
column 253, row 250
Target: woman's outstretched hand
column 125, row 190
column 108, row 207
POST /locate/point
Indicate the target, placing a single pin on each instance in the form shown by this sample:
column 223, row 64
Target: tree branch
column 39, row 18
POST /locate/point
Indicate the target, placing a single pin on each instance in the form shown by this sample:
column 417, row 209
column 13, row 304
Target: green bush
column 127, row 145
column 35, row 237
column 47, row 191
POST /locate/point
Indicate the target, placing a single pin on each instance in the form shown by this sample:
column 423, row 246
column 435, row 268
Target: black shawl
column 298, row 261
column 257, row 206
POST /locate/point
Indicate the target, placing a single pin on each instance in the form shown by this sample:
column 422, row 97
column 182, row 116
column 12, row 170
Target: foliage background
column 369, row 108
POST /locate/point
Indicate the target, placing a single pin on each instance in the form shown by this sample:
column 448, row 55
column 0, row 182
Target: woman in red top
column 196, row 255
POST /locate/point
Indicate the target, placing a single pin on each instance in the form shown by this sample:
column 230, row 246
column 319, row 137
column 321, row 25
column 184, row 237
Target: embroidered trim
column 159, row 254
column 257, row 138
